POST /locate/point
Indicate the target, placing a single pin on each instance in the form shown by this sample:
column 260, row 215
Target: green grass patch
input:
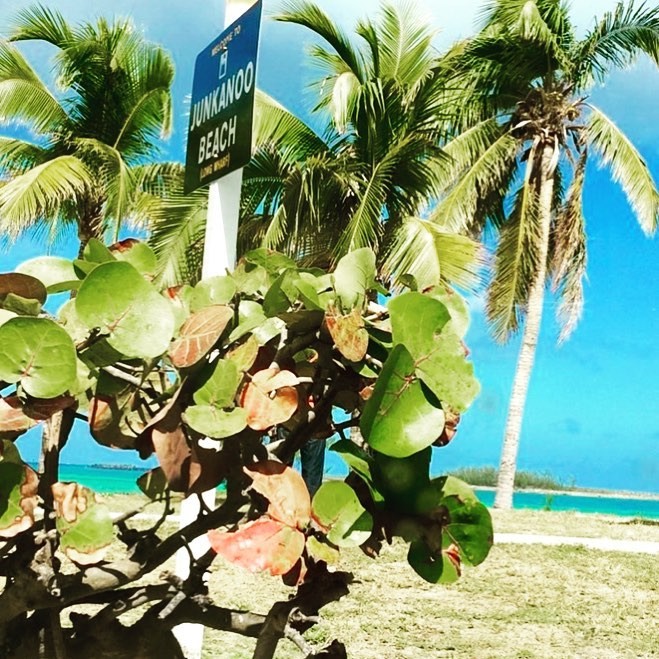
column 524, row 480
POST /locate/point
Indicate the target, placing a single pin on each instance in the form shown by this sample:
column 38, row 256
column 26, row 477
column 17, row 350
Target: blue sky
column 592, row 412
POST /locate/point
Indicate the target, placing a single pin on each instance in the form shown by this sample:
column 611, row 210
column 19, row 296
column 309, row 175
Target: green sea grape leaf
column 348, row 333
column 355, row 457
column 179, row 298
column 273, row 262
column 469, row 529
column 302, row 321
column 262, row 545
column 21, row 305
column 353, row 277
column 219, row 389
column 23, row 285
column 199, row 334
column 429, row 497
column 422, row 324
column 69, row 320
column 214, row 290
column 251, row 279
column 416, row 320
column 97, row 252
column 360, row 462
column 442, row 567
column 137, row 253
column 250, row 317
column 409, row 281
column 39, row 354
column 280, row 294
column 308, row 294
column 456, row 305
column 401, row 417
column 18, row 492
column 401, row 479
column 6, row 315
column 215, row 422
column 245, row 354
column 57, row 274
column 118, row 300
column 285, row 489
column 83, row 522
column 321, row 551
column 338, row 512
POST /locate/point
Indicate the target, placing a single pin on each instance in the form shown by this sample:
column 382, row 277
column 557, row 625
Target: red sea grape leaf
column 41, row 409
column 83, row 522
column 25, row 286
column 124, row 245
column 199, row 334
column 171, row 447
column 259, row 546
column 269, row 398
column 284, row 488
column 348, row 333
column 13, row 421
column 108, row 421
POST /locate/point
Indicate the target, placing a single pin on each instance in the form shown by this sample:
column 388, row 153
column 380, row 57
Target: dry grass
column 524, row 601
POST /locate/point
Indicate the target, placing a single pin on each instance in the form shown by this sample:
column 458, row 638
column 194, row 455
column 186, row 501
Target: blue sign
column 222, row 108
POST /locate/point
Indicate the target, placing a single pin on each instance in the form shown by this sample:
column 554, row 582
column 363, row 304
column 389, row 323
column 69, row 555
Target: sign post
column 219, row 146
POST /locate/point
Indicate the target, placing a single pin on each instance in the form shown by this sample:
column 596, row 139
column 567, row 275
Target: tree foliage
column 80, row 159
column 223, row 382
column 365, row 179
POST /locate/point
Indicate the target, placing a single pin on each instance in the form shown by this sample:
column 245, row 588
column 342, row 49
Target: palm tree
column 523, row 138
column 89, row 138
column 366, row 180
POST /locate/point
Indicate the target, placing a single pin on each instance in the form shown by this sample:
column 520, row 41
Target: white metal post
column 219, row 256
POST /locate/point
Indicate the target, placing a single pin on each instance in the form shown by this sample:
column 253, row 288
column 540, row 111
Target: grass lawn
column 524, row 601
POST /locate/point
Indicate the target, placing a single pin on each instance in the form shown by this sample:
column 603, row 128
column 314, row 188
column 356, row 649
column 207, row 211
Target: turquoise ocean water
column 108, row 480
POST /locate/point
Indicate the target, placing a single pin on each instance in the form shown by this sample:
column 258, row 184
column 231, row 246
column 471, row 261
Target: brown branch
column 300, row 611
column 29, row 592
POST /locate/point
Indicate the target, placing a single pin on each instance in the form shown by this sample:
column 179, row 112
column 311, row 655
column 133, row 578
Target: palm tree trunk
column 90, row 224
column 508, row 462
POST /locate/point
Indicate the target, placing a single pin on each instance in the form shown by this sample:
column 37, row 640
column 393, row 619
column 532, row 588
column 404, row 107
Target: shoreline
column 583, row 492
column 574, row 492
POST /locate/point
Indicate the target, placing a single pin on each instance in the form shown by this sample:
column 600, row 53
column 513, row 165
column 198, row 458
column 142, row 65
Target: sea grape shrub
column 224, row 382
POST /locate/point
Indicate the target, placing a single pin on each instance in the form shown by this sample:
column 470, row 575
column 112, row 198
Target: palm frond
column 176, row 221
column 516, row 261
column 275, row 125
column 405, row 53
column 310, row 15
column 568, row 254
column 150, row 71
column 431, row 255
column 41, row 192
column 119, row 180
column 544, row 22
column 17, row 155
column 41, row 23
column 617, row 39
column 482, row 160
column 24, row 99
column 627, row 168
